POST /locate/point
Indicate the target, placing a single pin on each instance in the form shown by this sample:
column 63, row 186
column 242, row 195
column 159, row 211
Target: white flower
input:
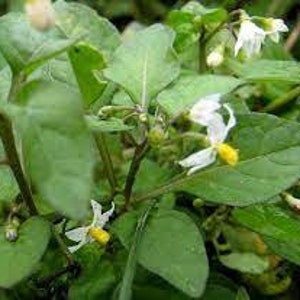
column 274, row 27
column 40, row 14
column 205, row 109
column 250, row 38
column 215, row 59
column 87, row 234
column 217, row 132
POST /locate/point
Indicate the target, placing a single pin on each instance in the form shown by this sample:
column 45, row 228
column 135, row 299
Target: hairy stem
column 6, row 132
column 104, row 153
column 139, row 154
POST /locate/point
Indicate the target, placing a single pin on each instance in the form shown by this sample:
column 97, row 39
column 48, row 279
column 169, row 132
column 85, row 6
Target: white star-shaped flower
column 204, row 113
column 274, row 27
column 94, row 231
column 250, row 38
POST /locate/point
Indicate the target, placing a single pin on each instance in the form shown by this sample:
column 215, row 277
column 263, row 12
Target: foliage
column 124, row 113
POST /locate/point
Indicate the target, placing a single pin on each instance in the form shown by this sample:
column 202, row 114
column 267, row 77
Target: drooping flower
column 94, row 231
column 204, row 113
column 273, row 27
column 40, row 14
column 250, row 38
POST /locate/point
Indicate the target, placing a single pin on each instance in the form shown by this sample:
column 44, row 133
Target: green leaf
column 269, row 220
column 269, row 150
column 289, row 250
column 270, row 70
column 146, row 64
column 189, row 88
column 85, row 60
column 79, row 20
column 187, row 32
column 18, row 259
column 207, row 15
column 25, row 48
column 57, row 147
column 8, row 185
column 279, row 227
column 245, row 262
column 171, row 247
column 5, row 83
column 58, row 69
column 110, row 125
column 128, row 277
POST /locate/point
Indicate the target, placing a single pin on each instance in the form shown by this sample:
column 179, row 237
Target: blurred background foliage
column 122, row 12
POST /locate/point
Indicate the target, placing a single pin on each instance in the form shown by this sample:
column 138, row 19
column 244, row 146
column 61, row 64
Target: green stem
column 163, row 189
column 139, row 154
column 202, row 54
column 6, row 132
column 282, row 100
column 108, row 165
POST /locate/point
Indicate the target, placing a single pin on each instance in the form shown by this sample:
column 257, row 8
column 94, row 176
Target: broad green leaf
column 25, row 48
column 57, row 147
column 269, row 150
column 111, row 125
column 171, row 247
column 96, row 279
column 86, row 60
column 269, row 220
column 279, row 227
column 270, row 70
column 185, row 92
column 245, row 262
column 146, row 64
column 18, row 259
column 58, row 69
column 76, row 19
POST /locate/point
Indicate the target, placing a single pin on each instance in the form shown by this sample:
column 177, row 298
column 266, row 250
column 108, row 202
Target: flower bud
column 156, row 135
column 11, row 233
column 216, row 57
column 40, row 14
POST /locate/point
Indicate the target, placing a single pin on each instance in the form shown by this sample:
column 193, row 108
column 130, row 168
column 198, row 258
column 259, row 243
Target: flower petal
column 97, row 211
column 77, row 234
column 216, row 130
column 103, row 219
column 72, row 249
column 202, row 111
column 199, row 159
column 231, row 121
